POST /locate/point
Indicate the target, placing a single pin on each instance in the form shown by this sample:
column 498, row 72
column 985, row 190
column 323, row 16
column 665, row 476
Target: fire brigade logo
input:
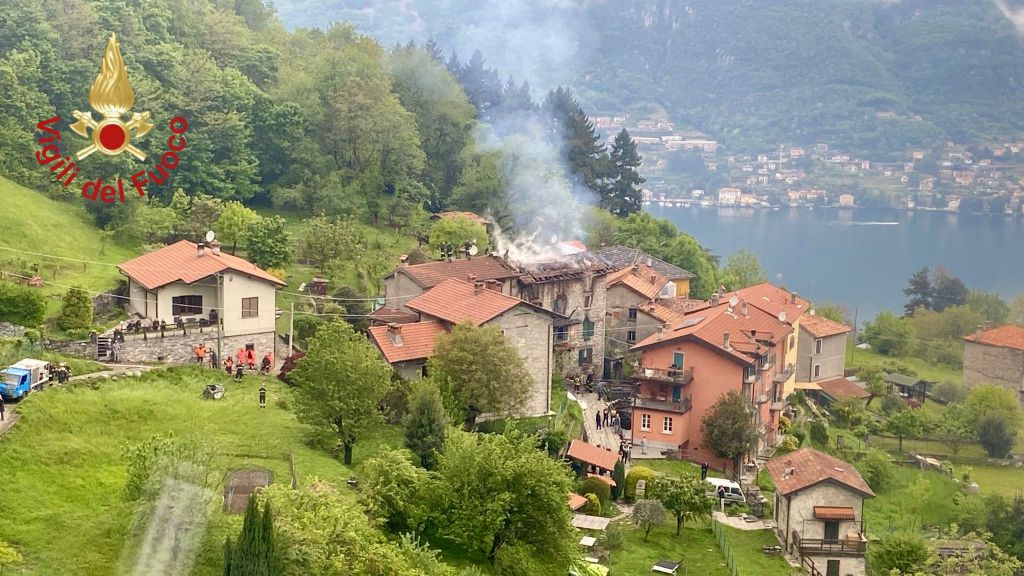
column 112, row 97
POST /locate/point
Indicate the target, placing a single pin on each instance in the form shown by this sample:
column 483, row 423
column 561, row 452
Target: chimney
column 494, row 285
column 215, row 247
column 395, row 333
column 471, row 278
column 714, row 299
column 743, row 309
column 478, row 287
column 792, row 297
column 978, row 331
column 661, row 331
column 200, row 249
column 725, row 340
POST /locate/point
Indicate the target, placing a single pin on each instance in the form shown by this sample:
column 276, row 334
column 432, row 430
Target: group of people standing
column 603, row 420
column 244, row 358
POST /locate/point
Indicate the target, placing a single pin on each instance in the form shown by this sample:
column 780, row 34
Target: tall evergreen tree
column 434, row 50
column 516, row 98
column 254, row 553
column 587, row 155
column 918, row 291
column 622, row 196
column 482, row 84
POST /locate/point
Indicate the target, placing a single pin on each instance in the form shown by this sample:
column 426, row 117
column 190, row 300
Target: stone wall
column 798, row 516
column 984, row 364
column 8, row 330
column 530, row 333
column 178, row 349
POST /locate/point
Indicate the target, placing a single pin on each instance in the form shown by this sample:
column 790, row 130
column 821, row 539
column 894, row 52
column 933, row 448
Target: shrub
column 598, row 487
column 614, row 538
column 950, row 391
column 876, row 468
column 76, row 310
column 893, row 403
column 593, row 505
column 619, row 476
column 784, row 423
column 637, row 473
column 21, row 305
column 790, row 443
column 282, row 403
column 819, row 433
column 904, row 553
column 996, row 436
column 800, row 433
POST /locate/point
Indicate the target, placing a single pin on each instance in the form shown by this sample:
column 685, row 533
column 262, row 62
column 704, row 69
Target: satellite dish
column 554, row 239
column 473, row 250
column 782, row 316
column 812, row 312
column 734, row 301
column 210, row 236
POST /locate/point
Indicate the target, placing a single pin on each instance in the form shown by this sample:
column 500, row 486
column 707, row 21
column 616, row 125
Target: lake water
column 862, row 258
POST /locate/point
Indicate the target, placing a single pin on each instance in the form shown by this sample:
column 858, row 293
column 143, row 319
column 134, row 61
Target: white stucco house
column 199, row 282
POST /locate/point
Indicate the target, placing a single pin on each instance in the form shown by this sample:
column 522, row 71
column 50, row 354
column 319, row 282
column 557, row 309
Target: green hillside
column 868, row 76
column 36, row 223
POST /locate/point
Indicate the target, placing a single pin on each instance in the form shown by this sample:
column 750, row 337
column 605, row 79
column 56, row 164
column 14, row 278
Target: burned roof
column 431, row 274
column 567, row 267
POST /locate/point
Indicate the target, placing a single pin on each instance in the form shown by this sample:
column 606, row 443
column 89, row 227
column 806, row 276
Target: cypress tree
column 246, row 553
column 268, row 558
column 227, row 556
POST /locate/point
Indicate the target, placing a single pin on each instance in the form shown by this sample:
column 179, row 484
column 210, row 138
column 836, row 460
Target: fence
column 723, row 544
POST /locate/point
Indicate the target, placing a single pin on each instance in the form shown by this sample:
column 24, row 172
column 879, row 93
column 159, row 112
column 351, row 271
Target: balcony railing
column 784, row 375
column 844, row 546
column 681, row 406
column 673, row 375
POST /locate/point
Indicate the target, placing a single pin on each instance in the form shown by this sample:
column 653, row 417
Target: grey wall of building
column 832, row 357
column 530, row 333
column 985, row 364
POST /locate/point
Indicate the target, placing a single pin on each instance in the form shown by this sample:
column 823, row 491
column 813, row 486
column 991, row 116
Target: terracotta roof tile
column 590, row 454
column 179, row 262
column 413, row 341
column 459, row 301
column 807, row 467
column 773, row 300
column 576, row 501
column 387, row 315
column 663, row 313
column 834, row 513
column 821, row 327
column 685, row 305
column 842, row 388
column 642, row 279
column 710, row 325
column 606, row 479
column 1006, row 336
column 431, row 274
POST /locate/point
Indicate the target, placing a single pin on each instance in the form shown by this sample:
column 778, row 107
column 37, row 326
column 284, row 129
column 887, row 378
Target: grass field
column 42, row 225
column 63, row 475
column 857, row 358
column 745, row 548
column 696, row 547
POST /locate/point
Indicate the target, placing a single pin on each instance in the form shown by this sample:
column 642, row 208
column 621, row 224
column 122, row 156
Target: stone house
column 528, row 328
column 996, row 356
column 197, row 284
column 621, row 257
column 821, row 348
column 685, row 369
column 409, row 281
column 819, row 511
column 574, row 288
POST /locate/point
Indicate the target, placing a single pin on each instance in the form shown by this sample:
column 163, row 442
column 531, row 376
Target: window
column 588, row 329
column 631, row 336
column 666, row 425
column 792, row 341
column 632, row 313
column 250, row 307
column 561, row 334
column 749, row 372
column 645, row 422
column 588, row 299
column 423, row 371
column 817, row 346
column 831, row 530
column 184, row 305
column 561, row 302
column 586, row 356
column 817, row 370
column 832, row 568
column 677, row 360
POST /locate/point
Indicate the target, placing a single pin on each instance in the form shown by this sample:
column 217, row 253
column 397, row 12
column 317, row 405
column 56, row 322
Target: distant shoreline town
column 688, row 169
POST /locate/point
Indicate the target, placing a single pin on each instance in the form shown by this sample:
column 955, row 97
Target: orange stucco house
column 686, row 367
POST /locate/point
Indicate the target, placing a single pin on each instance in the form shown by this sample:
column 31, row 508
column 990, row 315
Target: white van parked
column 733, row 492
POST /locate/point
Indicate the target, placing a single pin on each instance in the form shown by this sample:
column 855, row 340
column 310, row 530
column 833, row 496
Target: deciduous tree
column 459, row 231
column 903, row 423
column 340, row 384
column 729, row 429
column 742, row 269
column 889, row 334
column 990, row 305
column 648, row 514
column 955, row 427
column 329, row 241
column 996, row 435
column 874, row 379
column 22, row 305
column 268, row 243
column 947, row 290
column 234, row 222
column 394, row 491
column 684, row 496
column 479, row 372
column 906, row 553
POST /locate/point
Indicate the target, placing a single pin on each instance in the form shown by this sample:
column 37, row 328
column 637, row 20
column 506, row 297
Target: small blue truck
column 20, row 378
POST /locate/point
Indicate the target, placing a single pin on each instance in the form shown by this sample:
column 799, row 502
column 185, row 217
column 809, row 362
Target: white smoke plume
column 1014, row 15
column 174, row 532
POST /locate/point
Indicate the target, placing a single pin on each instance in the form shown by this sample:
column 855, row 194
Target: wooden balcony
column 852, row 546
column 670, row 375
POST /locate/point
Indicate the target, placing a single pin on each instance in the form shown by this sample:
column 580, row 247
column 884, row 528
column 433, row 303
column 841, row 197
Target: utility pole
column 291, row 330
column 220, row 315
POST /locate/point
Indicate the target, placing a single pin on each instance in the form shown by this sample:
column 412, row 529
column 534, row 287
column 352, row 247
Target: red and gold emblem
column 111, row 96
